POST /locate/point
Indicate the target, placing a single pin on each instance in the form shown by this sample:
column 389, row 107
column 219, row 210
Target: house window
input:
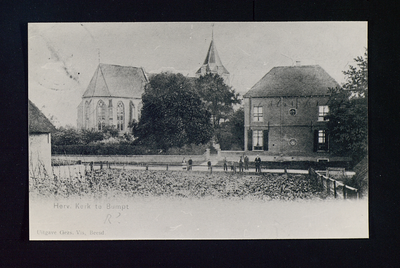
column 101, row 115
column 322, row 112
column 321, row 137
column 321, row 141
column 257, row 140
column 293, row 111
column 120, row 116
column 257, row 114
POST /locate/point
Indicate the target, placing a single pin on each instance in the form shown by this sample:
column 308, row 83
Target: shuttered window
column 321, row 141
column 258, row 139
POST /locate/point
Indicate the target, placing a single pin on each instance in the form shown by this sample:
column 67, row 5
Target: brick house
column 112, row 98
column 285, row 112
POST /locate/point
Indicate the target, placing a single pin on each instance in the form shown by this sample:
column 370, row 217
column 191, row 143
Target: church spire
column 212, row 62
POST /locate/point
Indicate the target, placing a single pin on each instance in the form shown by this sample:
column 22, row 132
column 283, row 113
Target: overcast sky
column 64, row 56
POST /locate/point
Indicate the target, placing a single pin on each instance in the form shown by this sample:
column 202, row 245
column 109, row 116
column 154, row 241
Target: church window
column 120, row 116
column 257, row 114
column 131, row 111
column 110, row 113
column 87, row 111
column 323, row 112
column 101, row 115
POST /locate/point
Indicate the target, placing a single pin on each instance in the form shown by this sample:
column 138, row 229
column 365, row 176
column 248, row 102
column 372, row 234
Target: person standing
column 246, row 162
column 190, row 163
column 241, row 165
column 225, row 165
column 258, row 163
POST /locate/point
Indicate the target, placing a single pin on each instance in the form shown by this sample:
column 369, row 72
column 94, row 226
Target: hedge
column 123, row 149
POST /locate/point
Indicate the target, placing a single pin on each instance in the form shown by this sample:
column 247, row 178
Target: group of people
column 243, row 164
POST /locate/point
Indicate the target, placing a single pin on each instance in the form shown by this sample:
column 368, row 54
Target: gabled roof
column 307, row 80
column 116, row 81
column 37, row 121
column 212, row 63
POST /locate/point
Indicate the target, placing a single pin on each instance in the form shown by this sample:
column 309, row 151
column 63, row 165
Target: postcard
column 198, row 130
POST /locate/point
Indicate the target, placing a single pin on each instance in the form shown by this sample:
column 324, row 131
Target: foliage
column 66, row 136
column 348, row 113
column 230, row 134
column 91, row 135
column 172, row 115
column 113, row 182
column 217, row 96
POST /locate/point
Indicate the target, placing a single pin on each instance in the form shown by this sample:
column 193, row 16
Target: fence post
column 210, row 169
column 328, row 186
column 147, row 167
column 334, row 188
column 344, row 191
column 167, row 166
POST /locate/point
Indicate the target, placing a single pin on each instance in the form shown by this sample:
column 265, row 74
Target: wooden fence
column 333, row 187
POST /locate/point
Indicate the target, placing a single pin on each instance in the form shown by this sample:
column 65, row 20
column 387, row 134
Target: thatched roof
column 290, row 81
column 37, row 121
column 117, row 81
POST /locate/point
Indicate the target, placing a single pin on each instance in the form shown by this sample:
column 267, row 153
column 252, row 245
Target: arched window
column 120, row 116
column 131, row 111
column 87, row 111
column 110, row 113
column 139, row 109
column 101, row 115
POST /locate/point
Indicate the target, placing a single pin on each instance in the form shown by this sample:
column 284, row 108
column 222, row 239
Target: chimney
column 298, row 63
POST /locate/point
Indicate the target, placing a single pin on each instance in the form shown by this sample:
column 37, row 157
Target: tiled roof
column 37, row 121
column 117, row 81
column 213, row 63
column 308, row 80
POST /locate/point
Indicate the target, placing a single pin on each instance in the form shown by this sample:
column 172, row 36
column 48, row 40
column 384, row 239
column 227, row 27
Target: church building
column 285, row 112
column 112, row 98
column 213, row 64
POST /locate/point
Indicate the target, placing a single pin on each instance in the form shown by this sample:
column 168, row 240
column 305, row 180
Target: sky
column 62, row 57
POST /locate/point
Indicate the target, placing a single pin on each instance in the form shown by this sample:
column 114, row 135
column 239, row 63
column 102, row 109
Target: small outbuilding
column 39, row 130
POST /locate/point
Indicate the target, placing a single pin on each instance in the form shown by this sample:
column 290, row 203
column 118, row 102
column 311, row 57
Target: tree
column 66, row 136
column 348, row 112
column 230, row 134
column 217, row 96
column 172, row 114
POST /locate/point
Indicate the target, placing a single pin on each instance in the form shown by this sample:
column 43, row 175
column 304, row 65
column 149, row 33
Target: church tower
column 213, row 64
